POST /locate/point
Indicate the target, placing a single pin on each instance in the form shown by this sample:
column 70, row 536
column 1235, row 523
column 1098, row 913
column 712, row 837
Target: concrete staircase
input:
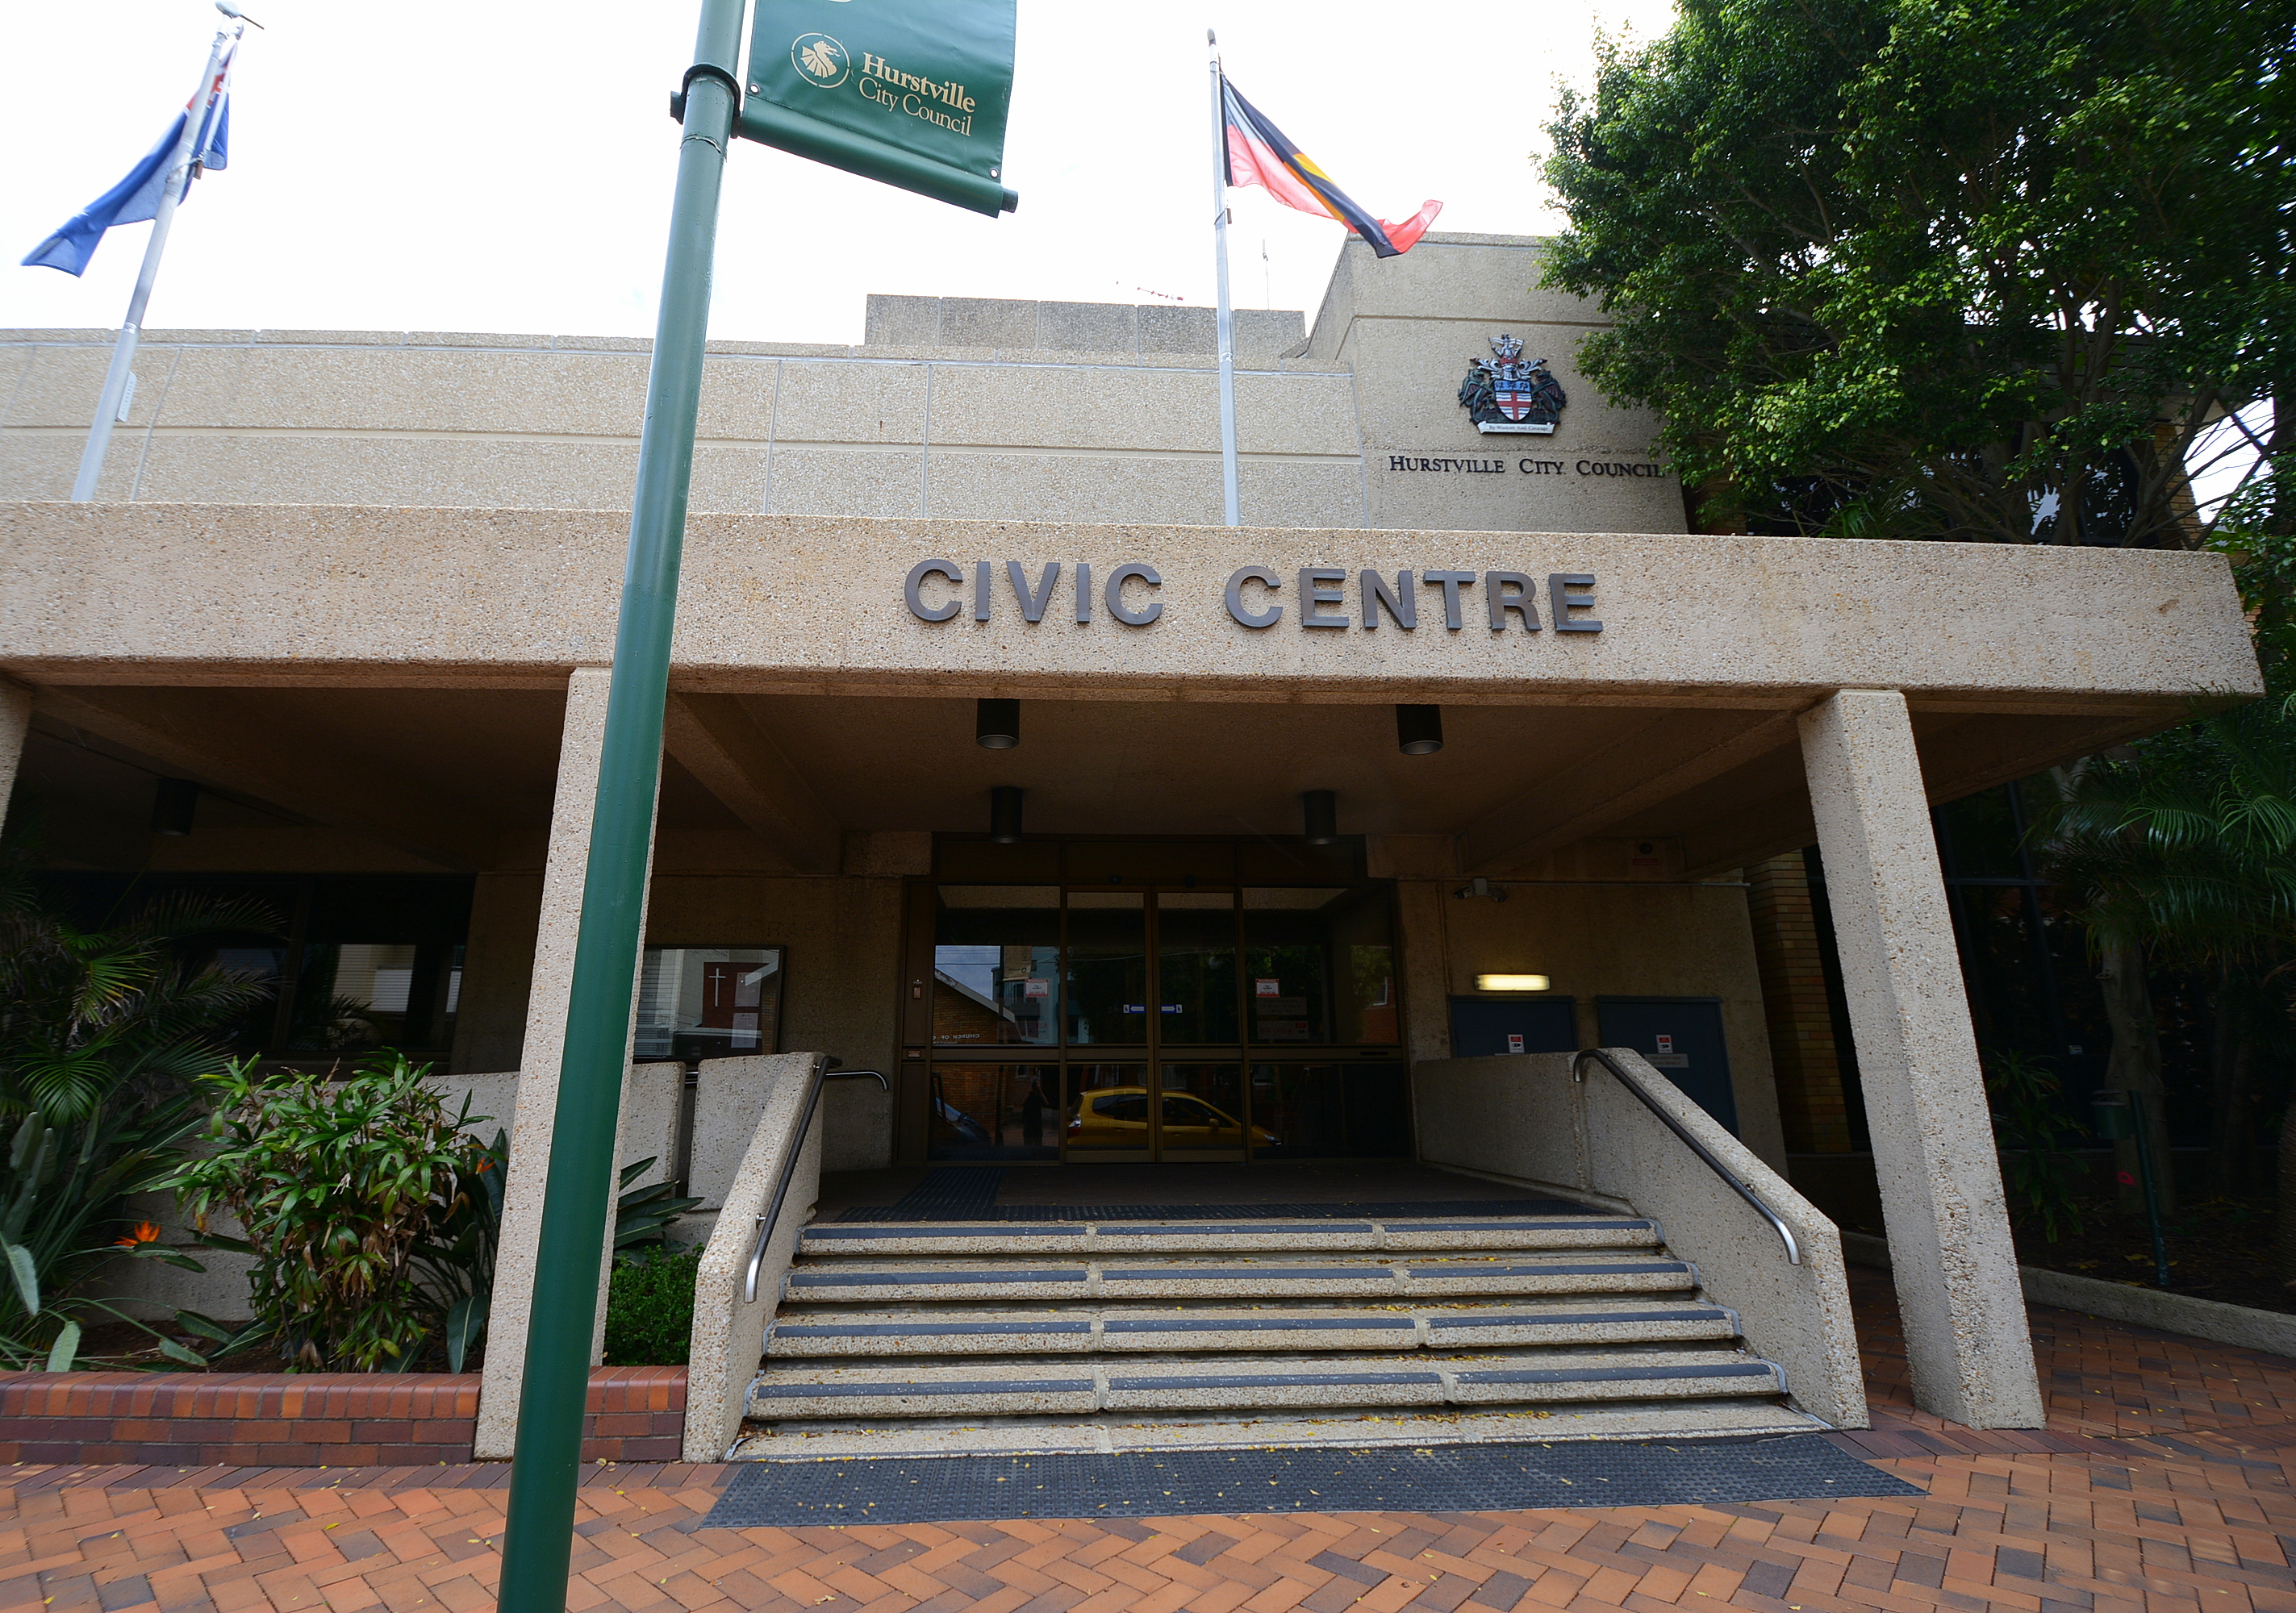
column 1151, row 1335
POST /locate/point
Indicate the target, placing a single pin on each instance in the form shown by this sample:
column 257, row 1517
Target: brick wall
column 293, row 1419
column 1808, row 1065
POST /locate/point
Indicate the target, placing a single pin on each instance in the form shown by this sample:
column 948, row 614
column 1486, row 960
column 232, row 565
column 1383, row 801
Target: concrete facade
column 361, row 587
column 951, row 408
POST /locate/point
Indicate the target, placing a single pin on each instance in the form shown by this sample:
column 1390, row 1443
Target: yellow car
column 1117, row 1116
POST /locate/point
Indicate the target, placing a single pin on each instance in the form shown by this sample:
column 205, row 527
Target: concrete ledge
column 2271, row 1332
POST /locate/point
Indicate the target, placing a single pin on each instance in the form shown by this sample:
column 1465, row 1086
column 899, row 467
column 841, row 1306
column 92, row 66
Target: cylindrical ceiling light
column 1321, row 810
column 1511, row 983
column 1419, row 730
column 173, row 804
column 996, row 724
column 1004, row 815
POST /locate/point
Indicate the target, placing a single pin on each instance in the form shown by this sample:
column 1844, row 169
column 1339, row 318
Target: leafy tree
column 2185, row 847
column 1928, row 268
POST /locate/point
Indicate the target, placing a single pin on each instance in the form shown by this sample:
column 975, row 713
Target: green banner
column 910, row 92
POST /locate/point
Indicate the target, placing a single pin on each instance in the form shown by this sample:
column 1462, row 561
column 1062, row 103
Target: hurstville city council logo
column 1502, row 393
column 822, row 62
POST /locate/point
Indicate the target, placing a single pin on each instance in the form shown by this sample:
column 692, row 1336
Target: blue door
column 1682, row 1037
column 1484, row 1026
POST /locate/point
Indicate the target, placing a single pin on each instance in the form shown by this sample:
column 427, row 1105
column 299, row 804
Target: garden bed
column 2220, row 1249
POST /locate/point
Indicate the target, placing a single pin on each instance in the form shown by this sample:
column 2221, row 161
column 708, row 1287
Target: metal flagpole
column 1226, row 315
column 123, row 352
column 576, row 1194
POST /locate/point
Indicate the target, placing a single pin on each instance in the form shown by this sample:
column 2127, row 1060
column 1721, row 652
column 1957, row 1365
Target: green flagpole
column 546, row 1462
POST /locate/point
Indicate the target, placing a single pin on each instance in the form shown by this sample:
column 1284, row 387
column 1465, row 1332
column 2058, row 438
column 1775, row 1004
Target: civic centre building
column 335, row 634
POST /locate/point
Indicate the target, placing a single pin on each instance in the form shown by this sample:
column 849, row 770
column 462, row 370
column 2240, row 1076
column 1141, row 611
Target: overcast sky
column 506, row 165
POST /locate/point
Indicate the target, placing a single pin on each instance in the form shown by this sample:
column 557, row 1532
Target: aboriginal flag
column 1257, row 153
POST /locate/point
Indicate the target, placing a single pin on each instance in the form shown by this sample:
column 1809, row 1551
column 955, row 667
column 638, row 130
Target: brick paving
column 2162, row 1483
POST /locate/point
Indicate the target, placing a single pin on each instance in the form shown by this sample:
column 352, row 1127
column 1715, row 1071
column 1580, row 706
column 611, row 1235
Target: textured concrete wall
column 192, row 593
column 933, row 429
column 1628, row 941
column 1524, row 1118
column 971, row 407
column 727, row 1325
column 1406, row 328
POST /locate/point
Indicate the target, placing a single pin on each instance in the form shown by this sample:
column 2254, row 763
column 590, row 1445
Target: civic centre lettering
column 935, row 591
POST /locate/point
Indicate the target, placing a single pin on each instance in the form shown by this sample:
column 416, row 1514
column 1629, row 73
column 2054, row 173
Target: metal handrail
column 789, row 1167
column 1578, row 1074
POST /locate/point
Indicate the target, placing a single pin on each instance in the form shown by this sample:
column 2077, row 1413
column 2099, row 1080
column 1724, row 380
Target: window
column 709, row 1001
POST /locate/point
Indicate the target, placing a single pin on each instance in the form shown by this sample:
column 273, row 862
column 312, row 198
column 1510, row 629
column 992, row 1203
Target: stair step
column 1125, row 1237
column 1642, row 1420
column 904, row 1282
column 978, row 1388
column 1090, row 1331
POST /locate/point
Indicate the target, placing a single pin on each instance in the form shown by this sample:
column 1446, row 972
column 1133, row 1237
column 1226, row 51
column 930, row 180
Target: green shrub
column 342, row 1187
column 2033, row 1130
column 649, row 1310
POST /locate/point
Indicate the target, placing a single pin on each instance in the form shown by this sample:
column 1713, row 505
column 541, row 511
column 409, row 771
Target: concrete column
column 15, row 723
column 568, row 863
column 1425, row 955
column 1966, row 1337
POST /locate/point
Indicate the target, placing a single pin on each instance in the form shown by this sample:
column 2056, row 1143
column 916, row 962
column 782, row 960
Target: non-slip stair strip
column 1269, row 1380
column 913, row 1209
column 1438, row 1478
column 1619, row 1374
column 796, row 1387
column 1247, row 1229
column 1228, row 1324
column 1254, row 1325
column 1577, row 1318
column 887, row 1391
column 924, row 1279
column 904, row 1330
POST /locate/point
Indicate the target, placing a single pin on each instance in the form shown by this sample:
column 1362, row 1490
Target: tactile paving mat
column 1423, row 1479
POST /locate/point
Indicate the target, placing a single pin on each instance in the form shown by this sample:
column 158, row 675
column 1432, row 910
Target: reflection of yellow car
column 1117, row 1116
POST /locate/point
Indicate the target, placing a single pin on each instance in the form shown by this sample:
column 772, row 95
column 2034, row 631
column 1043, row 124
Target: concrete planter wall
column 2271, row 1332
column 636, row 1413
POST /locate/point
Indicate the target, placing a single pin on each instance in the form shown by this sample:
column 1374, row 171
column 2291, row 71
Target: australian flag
column 136, row 198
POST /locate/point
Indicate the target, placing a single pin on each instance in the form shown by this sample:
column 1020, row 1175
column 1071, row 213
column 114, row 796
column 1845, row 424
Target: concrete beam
column 713, row 738
column 1527, row 827
column 211, row 735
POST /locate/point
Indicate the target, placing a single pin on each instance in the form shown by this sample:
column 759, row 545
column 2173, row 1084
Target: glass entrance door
column 1149, row 1022
column 1152, row 992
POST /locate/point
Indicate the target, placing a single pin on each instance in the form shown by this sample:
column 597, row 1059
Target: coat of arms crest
column 1502, row 393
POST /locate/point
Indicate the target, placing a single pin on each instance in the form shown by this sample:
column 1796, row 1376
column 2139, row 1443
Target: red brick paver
column 2163, row 1483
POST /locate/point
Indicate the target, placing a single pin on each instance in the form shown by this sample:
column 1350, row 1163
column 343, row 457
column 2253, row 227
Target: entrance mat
column 1405, row 1479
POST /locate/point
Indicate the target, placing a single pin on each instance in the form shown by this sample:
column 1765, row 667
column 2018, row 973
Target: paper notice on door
column 1514, row 1040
